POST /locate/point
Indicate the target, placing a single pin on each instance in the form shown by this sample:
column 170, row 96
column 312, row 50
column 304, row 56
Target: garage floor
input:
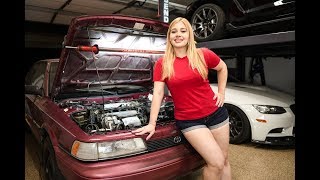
column 248, row 161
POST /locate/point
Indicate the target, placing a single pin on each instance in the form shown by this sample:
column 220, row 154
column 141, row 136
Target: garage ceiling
column 62, row 11
column 46, row 21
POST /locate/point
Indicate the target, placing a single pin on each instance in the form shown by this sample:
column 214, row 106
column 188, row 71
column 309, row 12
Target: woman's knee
column 226, row 157
column 217, row 168
column 218, row 162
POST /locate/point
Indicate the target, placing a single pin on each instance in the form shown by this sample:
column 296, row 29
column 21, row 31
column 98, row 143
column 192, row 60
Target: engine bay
column 114, row 115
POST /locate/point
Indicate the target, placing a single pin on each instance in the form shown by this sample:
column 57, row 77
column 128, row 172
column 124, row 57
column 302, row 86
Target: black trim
column 272, row 44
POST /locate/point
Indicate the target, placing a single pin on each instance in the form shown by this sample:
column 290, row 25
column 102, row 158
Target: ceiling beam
column 50, row 10
column 58, row 10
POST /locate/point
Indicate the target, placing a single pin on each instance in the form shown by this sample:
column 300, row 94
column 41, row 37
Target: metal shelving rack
column 279, row 44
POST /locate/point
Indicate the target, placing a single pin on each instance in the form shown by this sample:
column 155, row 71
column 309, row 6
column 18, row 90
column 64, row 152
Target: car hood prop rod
column 96, row 49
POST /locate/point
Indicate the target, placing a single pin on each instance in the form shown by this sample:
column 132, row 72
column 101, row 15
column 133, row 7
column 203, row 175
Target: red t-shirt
column 192, row 96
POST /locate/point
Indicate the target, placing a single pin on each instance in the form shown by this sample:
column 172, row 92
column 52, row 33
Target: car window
column 52, row 74
column 35, row 75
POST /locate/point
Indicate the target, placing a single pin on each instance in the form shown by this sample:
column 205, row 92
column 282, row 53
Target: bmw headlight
column 266, row 109
column 107, row 150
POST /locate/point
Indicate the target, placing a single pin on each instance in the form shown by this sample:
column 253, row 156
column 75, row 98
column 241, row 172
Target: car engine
column 117, row 115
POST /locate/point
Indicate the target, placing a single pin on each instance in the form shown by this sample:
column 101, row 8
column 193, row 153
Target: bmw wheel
column 240, row 130
column 208, row 22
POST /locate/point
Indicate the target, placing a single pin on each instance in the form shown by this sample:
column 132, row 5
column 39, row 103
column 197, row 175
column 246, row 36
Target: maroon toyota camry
column 83, row 106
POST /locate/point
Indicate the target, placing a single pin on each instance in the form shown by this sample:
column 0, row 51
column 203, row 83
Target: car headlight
column 107, row 150
column 266, row 109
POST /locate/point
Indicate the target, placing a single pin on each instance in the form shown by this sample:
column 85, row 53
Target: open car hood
column 109, row 50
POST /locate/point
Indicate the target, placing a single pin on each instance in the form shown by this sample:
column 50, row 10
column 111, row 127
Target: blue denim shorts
column 217, row 119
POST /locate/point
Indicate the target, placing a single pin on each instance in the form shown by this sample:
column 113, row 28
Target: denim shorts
column 217, row 119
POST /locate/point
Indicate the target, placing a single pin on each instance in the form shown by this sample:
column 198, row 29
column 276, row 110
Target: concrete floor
column 248, row 162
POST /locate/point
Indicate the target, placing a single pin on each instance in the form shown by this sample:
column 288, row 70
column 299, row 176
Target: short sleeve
column 157, row 70
column 211, row 58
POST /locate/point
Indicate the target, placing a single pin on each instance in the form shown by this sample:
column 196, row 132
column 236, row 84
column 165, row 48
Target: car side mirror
column 31, row 89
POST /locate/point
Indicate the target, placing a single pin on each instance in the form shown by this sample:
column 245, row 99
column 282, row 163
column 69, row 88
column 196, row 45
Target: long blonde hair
column 195, row 56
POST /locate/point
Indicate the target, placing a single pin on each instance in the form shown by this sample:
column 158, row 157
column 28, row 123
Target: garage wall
column 279, row 73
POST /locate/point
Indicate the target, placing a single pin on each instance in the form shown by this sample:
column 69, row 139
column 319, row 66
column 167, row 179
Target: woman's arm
column 158, row 93
column 222, row 73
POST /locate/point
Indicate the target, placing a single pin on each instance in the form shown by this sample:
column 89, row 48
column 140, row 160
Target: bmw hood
column 250, row 94
column 109, row 50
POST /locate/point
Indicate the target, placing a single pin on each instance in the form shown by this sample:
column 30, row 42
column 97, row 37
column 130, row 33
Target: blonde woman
column 199, row 112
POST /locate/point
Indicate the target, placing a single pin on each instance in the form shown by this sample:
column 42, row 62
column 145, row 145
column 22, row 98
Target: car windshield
column 103, row 90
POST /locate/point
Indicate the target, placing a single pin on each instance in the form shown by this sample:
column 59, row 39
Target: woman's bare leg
column 204, row 142
column 221, row 135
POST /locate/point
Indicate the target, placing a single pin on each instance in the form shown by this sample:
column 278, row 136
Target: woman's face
column 179, row 35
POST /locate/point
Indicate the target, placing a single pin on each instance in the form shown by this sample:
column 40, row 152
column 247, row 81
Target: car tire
column 240, row 130
column 208, row 22
column 49, row 167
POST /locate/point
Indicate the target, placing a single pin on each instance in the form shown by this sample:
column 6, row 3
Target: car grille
column 165, row 143
column 293, row 108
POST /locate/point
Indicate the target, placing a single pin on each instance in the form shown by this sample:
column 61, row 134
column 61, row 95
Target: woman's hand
column 150, row 128
column 220, row 99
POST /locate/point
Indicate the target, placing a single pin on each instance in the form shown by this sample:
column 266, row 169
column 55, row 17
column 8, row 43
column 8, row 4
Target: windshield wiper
column 122, row 89
column 115, row 89
column 97, row 91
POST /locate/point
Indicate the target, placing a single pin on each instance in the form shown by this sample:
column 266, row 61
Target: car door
column 35, row 78
column 259, row 11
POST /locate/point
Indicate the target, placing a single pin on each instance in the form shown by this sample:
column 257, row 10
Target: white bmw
column 259, row 114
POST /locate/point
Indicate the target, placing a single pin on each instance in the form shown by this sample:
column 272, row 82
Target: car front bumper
column 163, row 164
column 277, row 129
column 287, row 141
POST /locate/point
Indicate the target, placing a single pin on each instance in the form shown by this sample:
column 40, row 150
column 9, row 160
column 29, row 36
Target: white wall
column 279, row 73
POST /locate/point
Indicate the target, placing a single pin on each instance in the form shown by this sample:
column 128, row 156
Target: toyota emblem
column 177, row 139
